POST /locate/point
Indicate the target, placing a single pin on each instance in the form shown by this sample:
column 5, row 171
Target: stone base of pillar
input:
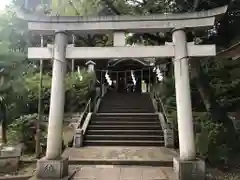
column 168, row 138
column 78, row 138
column 190, row 170
column 52, row 169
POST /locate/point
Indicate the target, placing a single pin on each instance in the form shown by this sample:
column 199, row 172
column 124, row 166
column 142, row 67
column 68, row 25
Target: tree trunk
column 3, row 126
column 1, row 134
column 4, row 133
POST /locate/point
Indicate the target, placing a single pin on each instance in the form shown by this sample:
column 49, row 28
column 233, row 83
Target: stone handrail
column 164, row 17
column 82, row 125
column 166, row 125
column 97, row 104
column 163, row 111
column 85, row 113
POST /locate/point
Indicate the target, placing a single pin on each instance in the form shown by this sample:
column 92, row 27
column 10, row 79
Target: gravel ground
column 24, row 169
column 215, row 174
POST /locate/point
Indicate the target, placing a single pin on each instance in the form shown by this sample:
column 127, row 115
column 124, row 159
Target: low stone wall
column 10, row 158
column 9, row 164
column 68, row 118
column 17, row 177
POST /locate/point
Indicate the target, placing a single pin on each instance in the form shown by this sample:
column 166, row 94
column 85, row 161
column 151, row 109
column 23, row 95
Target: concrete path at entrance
column 121, row 163
column 116, row 155
column 123, row 173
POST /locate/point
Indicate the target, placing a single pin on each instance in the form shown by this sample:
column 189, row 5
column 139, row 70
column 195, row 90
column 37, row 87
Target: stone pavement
column 117, row 163
column 124, row 173
column 120, row 153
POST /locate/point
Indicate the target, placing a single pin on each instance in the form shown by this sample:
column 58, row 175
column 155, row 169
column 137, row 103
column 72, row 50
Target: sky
column 3, row 3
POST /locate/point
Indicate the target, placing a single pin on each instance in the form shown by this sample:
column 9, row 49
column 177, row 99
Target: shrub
column 23, row 130
column 212, row 139
column 77, row 92
column 212, row 144
column 23, row 127
column 32, row 88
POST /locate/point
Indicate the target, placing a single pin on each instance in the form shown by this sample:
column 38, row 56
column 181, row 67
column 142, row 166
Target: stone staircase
column 126, row 103
column 125, row 119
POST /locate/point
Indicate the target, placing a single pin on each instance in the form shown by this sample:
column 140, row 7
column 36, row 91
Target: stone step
column 122, row 99
column 137, row 105
column 130, row 122
column 143, row 156
column 122, row 143
column 124, row 110
column 126, row 132
column 125, row 137
column 139, row 102
column 125, row 107
column 123, row 120
column 109, row 116
column 124, row 102
column 123, row 127
column 123, row 115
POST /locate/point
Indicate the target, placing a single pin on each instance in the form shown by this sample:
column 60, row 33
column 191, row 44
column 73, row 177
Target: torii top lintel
column 153, row 23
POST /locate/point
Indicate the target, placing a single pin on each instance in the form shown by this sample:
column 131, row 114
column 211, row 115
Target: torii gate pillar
column 186, row 166
column 183, row 96
column 53, row 165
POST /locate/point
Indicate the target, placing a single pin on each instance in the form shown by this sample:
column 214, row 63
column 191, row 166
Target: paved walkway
column 124, row 173
column 120, row 153
column 113, row 162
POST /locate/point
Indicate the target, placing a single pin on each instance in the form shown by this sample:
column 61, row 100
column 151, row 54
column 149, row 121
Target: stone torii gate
column 180, row 50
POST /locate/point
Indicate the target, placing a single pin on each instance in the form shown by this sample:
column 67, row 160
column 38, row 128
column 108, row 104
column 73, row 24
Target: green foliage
column 13, row 66
column 202, row 142
column 77, row 92
column 13, row 63
column 225, row 81
column 77, row 7
column 212, row 139
column 31, row 83
column 14, row 35
column 211, row 143
column 23, row 129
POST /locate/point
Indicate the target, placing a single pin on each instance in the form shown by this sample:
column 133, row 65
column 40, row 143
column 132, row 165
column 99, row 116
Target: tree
column 202, row 79
column 75, row 7
column 13, row 64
